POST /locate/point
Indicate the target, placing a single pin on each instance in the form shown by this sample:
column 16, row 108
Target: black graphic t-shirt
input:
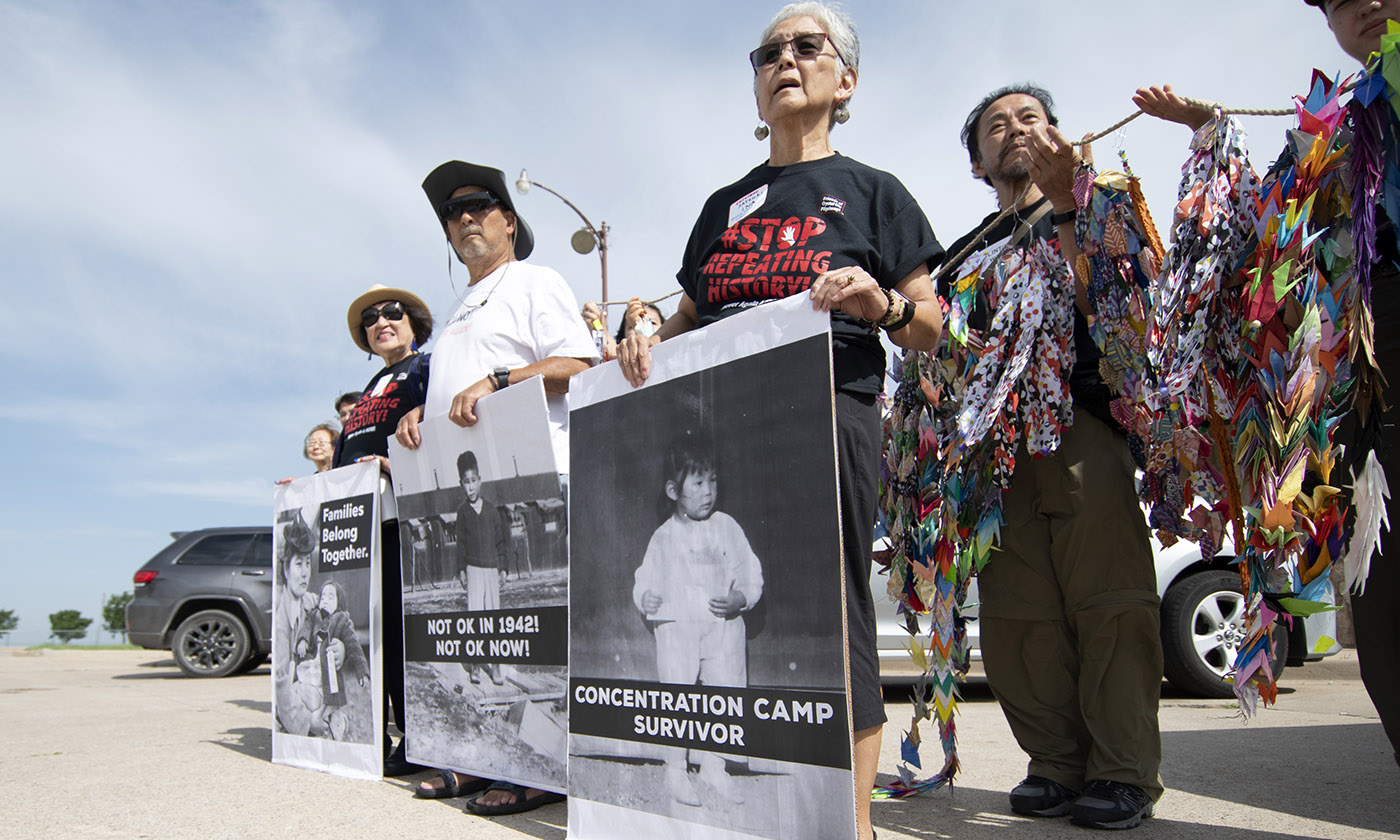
column 391, row 394
column 770, row 234
column 1086, row 386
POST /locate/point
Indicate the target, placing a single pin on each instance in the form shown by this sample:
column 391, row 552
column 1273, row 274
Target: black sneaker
column 1112, row 805
column 396, row 763
column 1038, row 796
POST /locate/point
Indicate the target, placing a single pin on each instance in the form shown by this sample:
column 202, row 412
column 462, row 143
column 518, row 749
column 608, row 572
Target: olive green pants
column 1069, row 616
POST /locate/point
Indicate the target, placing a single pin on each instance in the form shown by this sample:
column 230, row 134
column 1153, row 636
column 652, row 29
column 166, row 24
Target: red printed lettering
column 747, row 239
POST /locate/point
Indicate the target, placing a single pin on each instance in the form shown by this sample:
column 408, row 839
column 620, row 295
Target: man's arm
column 1165, row 104
column 556, row 371
column 1053, row 164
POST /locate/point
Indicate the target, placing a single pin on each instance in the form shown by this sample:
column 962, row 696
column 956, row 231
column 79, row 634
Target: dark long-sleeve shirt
column 481, row 537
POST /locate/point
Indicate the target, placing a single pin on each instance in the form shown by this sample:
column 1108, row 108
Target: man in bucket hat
column 516, row 320
column 477, row 351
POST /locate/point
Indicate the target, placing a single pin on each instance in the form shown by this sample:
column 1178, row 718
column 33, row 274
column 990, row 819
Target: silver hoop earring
column 760, row 133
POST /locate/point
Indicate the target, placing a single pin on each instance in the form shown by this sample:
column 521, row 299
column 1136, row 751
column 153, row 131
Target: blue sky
column 192, row 193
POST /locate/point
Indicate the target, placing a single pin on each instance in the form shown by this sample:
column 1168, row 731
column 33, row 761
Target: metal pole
column 603, row 257
column 601, row 236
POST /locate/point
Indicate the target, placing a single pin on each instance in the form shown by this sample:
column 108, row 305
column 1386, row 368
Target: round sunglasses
column 392, row 311
column 805, row 47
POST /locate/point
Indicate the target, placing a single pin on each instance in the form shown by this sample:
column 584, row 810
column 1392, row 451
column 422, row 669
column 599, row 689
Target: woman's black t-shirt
column 390, row 394
column 771, row 233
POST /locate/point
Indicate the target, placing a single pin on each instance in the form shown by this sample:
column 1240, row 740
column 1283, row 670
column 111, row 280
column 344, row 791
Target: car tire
column 210, row 643
column 1203, row 623
column 252, row 663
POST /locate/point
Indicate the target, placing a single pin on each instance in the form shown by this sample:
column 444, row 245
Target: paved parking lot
column 117, row 744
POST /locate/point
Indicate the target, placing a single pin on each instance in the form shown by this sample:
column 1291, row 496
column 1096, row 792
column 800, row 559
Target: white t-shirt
column 515, row 316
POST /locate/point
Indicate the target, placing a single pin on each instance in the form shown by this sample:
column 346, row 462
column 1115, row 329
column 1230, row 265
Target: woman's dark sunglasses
column 392, row 311
column 806, row 46
column 473, row 203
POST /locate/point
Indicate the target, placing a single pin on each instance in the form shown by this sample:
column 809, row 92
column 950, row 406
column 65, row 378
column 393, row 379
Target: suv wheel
column 1203, row 625
column 210, row 643
column 251, row 664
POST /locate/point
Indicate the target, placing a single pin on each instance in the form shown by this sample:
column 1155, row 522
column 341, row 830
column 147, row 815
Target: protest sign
column 707, row 687
column 484, row 548
column 327, row 704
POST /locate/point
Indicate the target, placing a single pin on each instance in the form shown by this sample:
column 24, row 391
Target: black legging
column 1376, row 614
column 391, row 610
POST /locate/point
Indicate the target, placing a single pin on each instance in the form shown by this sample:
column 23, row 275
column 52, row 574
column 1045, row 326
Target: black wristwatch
column 501, row 377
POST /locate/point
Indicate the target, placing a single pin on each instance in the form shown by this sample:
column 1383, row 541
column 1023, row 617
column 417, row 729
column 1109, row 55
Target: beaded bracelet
column 899, row 313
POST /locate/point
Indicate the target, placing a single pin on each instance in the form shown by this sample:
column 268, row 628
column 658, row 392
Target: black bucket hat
column 443, row 181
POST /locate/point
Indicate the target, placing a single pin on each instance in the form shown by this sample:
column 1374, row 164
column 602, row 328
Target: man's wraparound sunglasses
column 392, row 311
column 806, row 47
column 473, row 203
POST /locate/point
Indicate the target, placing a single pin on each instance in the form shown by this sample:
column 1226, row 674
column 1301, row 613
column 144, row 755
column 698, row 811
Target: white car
column 1202, row 623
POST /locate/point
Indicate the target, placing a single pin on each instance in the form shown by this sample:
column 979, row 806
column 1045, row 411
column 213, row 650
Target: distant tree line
column 68, row 625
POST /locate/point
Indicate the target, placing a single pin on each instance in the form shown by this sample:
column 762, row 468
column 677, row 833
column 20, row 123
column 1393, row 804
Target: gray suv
column 207, row 598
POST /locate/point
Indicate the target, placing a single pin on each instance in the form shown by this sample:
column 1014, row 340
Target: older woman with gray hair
column 806, row 68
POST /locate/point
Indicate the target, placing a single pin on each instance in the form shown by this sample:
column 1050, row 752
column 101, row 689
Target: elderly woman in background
column 805, row 72
column 392, row 324
column 319, row 446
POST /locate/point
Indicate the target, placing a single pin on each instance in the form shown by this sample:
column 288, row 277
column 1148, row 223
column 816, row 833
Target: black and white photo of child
column 343, row 708
column 697, row 579
column 326, row 679
column 706, row 570
column 485, row 577
column 481, row 550
column 320, row 665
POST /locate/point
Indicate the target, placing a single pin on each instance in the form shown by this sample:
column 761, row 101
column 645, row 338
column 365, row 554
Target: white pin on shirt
column 747, row 204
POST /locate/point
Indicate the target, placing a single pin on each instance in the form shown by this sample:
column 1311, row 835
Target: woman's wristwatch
column 899, row 313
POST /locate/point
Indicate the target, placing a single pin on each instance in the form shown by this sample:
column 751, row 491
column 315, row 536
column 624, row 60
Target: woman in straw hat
column 391, row 324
